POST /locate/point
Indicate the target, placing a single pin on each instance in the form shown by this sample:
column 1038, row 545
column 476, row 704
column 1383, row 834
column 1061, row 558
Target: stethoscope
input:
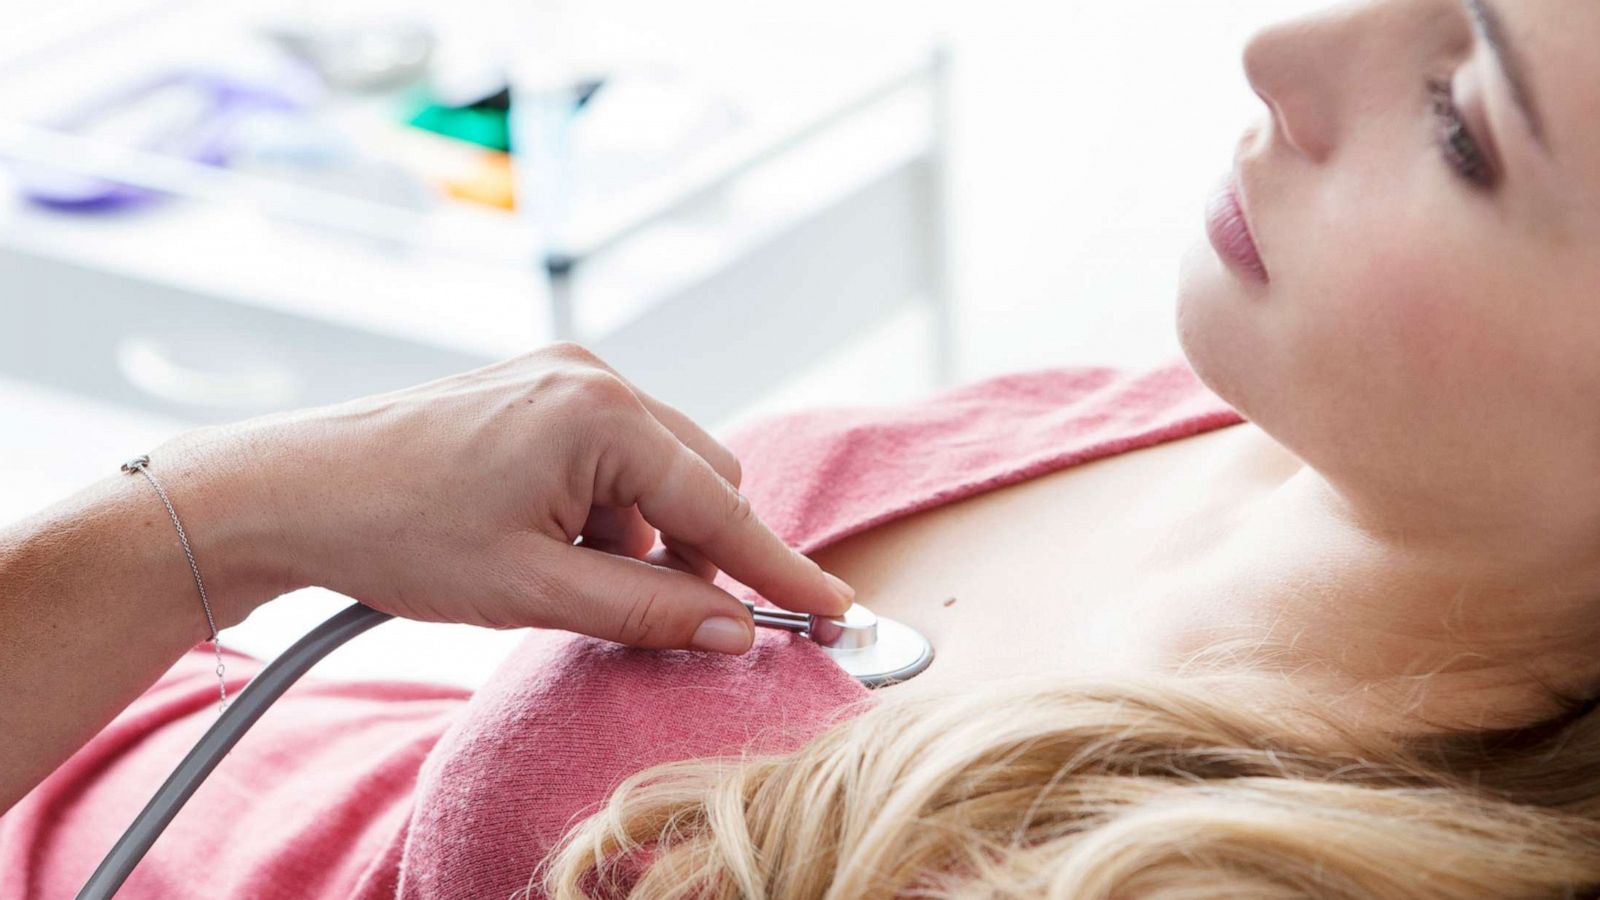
column 873, row 650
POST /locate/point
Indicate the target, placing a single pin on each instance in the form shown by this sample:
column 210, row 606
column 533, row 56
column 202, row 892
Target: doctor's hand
column 461, row 501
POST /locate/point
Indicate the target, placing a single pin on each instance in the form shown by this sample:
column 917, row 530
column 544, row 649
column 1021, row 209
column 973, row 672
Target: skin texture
column 1426, row 349
column 455, row 501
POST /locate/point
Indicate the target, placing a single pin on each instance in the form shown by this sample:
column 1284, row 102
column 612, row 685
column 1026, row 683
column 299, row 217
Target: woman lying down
column 1312, row 612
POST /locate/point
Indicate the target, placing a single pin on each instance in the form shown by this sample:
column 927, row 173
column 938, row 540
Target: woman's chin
column 1210, row 307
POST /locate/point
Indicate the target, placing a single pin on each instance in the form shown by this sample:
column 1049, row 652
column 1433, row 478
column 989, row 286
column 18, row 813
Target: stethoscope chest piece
column 896, row 653
column 871, row 649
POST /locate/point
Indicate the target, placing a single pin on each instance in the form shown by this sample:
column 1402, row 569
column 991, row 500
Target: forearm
column 97, row 601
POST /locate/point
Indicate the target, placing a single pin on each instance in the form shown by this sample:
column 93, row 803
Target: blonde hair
column 1150, row 788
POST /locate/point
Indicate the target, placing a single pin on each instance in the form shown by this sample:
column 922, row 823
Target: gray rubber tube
column 259, row 694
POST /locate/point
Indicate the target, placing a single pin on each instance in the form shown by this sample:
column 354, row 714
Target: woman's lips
column 1229, row 232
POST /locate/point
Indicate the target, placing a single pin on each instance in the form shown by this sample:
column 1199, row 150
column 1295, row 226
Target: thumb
column 632, row 602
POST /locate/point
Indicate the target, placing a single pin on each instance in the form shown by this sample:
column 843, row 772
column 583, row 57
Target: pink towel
column 373, row 790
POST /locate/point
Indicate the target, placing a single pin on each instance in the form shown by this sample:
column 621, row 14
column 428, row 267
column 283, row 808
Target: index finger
column 681, row 495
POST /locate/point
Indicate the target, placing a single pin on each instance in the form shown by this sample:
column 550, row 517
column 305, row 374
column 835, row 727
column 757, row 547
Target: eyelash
column 1461, row 151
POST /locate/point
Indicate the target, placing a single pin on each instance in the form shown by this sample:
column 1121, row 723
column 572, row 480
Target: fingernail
column 719, row 634
column 844, row 590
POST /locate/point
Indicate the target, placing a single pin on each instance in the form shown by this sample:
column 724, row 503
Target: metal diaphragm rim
column 900, row 653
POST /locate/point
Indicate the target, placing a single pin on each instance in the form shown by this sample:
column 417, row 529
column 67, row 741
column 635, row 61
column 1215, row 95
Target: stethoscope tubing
column 246, row 708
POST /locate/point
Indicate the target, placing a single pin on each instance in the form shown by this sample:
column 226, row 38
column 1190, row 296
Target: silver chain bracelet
column 141, row 464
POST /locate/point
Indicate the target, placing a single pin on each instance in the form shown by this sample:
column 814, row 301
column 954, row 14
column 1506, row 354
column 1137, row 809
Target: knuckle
column 603, row 406
column 742, row 514
column 591, row 395
column 568, row 351
column 734, row 468
column 643, row 616
column 553, row 599
column 601, row 388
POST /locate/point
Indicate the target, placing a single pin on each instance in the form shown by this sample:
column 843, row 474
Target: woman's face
column 1429, row 336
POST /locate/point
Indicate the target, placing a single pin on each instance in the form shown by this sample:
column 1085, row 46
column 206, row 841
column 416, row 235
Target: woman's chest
column 1058, row 573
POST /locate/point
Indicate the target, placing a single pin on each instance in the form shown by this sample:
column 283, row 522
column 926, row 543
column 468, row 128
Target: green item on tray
column 486, row 125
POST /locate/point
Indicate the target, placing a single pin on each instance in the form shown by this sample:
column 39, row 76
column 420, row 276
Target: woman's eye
column 1461, row 150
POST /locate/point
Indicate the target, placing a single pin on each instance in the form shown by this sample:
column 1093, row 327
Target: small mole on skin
column 950, row 602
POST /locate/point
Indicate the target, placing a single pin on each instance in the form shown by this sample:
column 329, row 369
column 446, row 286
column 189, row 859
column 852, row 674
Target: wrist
column 225, row 507
column 312, row 476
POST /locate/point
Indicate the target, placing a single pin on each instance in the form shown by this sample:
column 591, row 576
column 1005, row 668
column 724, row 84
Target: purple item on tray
column 201, row 117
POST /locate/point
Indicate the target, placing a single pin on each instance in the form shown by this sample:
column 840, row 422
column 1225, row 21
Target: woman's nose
column 1300, row 68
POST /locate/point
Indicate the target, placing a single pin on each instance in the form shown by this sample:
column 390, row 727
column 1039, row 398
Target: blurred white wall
column 1089, row 136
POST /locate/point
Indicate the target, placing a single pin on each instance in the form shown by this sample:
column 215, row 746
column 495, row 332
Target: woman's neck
column 1402, row 629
